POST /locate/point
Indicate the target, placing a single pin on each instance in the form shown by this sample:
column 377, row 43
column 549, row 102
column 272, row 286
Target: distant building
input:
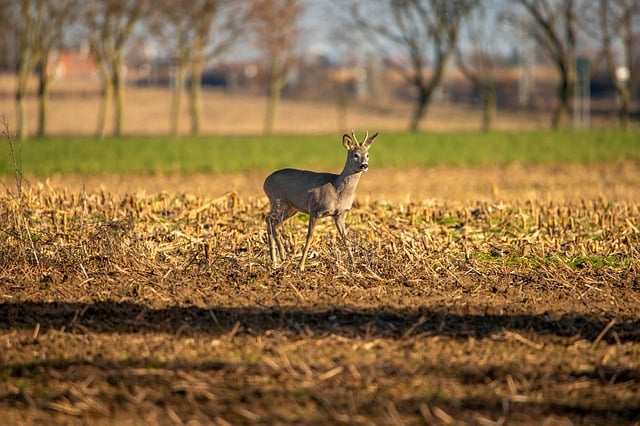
column 73, row 64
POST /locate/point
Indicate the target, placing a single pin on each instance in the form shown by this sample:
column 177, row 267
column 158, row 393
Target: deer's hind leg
column 274, row 219
column 312, row 224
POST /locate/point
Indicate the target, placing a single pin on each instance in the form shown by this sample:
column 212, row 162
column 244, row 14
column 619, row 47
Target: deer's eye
column 356, row 156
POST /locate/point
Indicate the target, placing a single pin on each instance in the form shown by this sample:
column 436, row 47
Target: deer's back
column 297, row 187
column 288, row 181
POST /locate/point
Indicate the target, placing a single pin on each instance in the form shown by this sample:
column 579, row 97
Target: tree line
column 418, row 38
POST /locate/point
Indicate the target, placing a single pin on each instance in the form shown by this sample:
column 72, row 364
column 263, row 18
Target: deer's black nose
column 364, row 166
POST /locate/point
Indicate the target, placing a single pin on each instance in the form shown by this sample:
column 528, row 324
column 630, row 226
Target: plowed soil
column 477, row 296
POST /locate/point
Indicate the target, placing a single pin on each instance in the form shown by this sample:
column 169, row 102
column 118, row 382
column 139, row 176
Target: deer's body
column 318, row 194
column 324, row 194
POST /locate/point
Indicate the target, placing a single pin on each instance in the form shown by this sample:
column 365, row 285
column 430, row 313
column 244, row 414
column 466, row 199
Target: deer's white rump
column 318, row 194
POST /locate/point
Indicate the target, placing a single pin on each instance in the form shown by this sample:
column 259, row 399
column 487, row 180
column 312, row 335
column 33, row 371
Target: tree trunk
column 420, row 108
column 176, row 99
column 565, row 95
column 43, row 96
column 195, row 98
column 489, row 100
column 21, row 93
column 273, row 99
column 25, row 67
column 105, row 96
column 21, row 111
column 426, row 88
column 623, row 109
column 342, row 106
column 118, row 97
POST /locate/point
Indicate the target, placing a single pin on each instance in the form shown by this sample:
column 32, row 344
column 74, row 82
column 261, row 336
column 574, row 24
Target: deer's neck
column 346, row 185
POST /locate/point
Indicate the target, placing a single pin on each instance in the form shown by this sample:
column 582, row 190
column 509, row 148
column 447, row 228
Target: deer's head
column 357, row 153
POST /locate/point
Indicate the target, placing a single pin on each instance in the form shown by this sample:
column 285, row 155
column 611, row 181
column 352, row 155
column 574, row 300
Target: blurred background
column 190, row 67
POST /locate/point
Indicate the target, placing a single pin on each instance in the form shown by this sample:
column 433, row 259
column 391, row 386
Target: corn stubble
column 83, row 234
column 165, row 306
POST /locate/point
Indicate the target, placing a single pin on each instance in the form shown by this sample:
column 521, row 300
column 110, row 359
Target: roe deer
column 318, row 194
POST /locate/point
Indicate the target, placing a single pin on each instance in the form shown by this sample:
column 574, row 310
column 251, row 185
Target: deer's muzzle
column 364, row 167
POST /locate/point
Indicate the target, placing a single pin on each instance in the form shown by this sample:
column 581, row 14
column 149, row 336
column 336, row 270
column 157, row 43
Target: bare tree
column 478, row 68
column 57, row 16
column 479, row 62
column 276, row 32
column 194, row 32
column 618, row 20
column 553, row 24
column 39, row 27
column 173, row 22
column 110, row 24
column 27, row 16
column 425, row 31
column 222, row 23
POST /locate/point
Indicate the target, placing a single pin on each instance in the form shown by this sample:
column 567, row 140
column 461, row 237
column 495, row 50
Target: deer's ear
column 367, row 143
column 347, row 142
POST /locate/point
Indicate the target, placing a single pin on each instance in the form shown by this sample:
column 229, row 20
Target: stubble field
column 478, row 296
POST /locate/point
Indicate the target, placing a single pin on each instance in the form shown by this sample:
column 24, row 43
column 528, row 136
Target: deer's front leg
column 339, row 220
column 271, row 240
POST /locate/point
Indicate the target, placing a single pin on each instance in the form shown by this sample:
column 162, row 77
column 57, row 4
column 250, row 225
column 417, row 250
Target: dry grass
column 74, row 107
column 160, row 232
column 162, row 307
column 615, row 182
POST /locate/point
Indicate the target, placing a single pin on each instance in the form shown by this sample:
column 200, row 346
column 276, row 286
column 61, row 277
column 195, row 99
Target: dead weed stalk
column 22, row 244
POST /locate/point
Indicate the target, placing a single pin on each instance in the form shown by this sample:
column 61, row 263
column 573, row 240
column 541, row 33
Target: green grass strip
column 237, row 154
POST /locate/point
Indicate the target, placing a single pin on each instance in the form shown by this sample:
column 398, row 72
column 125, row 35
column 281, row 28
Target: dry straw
column 88, row 235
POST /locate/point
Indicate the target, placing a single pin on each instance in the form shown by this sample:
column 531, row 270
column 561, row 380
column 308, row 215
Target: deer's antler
column 353, row 136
